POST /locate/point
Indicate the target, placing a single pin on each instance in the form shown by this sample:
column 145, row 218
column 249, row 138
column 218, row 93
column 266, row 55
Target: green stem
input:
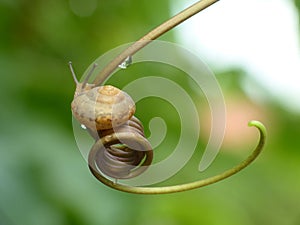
column 152, row 35
column 192, row 185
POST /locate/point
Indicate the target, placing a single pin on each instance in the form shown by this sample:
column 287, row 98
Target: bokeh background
column 44, row 179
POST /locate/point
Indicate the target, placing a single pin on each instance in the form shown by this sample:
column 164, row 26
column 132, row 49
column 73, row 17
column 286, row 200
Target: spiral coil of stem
column 122, row 152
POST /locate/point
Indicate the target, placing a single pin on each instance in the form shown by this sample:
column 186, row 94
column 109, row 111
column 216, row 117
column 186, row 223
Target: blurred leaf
column 44, row 179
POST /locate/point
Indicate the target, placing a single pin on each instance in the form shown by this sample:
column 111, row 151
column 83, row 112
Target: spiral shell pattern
column 103, row 107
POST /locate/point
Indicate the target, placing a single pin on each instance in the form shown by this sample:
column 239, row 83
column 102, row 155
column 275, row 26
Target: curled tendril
column 135, row 47
column 114, row 153
column 192, row 185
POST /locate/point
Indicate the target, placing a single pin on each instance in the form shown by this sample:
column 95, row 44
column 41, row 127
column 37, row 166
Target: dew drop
column 127, row 62
column 83, row 126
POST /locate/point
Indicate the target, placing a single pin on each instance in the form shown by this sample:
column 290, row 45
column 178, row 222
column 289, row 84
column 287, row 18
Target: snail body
column 121, row 150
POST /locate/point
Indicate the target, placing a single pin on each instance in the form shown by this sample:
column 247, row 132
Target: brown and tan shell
column 102, row 107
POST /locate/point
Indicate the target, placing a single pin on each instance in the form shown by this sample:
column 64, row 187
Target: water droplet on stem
column 127, row 62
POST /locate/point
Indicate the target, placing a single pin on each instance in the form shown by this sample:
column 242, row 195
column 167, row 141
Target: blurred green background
column 44, row 180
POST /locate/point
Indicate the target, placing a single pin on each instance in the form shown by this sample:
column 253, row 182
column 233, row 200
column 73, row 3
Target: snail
column 121, row 150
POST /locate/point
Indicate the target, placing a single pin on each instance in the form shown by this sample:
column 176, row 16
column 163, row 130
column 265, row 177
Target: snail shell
column 102, row 107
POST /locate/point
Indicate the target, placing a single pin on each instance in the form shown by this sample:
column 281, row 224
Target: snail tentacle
column 89, row 75
column 73, row 73
column 192, row 185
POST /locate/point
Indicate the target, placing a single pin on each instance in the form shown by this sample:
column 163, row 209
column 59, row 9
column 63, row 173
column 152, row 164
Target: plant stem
column 192, row 185
column 152, row 35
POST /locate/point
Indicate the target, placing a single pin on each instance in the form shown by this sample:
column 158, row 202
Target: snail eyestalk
column 193, row 185
column 73, row 73
column 89, row 75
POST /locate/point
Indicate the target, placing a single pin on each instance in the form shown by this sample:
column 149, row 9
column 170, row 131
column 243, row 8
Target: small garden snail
column 121, row 150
